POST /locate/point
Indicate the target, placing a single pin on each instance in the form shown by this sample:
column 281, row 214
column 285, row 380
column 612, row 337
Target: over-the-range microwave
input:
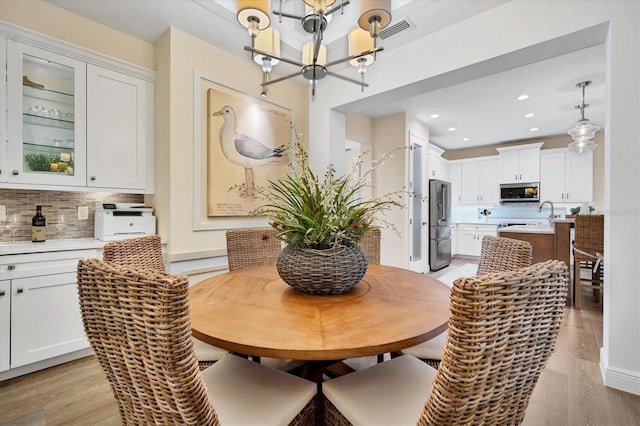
column 519, row 192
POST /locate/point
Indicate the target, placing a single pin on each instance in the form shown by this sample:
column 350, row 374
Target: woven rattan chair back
column 370, row 243
column 499, row 254
column 137, row 322
column 588, row 249
column 142, row 253
column 589, row 235
column 502, row 330
column 252, row 247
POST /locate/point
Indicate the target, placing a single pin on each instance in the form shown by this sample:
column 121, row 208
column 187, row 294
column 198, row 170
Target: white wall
column 504, row 30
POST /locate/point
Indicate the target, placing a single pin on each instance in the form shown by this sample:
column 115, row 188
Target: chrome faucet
column 552, row 215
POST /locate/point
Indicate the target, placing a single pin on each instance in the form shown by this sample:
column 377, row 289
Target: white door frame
column 419, row 184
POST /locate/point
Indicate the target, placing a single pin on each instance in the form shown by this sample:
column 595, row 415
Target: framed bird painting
column 247, row 146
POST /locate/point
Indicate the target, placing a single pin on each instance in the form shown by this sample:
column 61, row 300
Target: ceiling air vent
column 394, row 29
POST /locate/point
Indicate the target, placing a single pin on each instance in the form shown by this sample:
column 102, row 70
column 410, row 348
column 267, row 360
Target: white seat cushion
column 207, row 352
column 246, row 393
column 431, row 349
column 393, row 392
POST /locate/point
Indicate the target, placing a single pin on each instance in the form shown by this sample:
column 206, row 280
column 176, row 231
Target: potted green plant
column 321, row 221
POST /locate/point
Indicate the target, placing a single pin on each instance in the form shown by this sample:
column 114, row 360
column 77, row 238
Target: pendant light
column 373, row 16
column 584, row 131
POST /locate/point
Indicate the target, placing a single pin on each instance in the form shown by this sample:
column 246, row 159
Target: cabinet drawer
column 36, row 264
column 477, row 228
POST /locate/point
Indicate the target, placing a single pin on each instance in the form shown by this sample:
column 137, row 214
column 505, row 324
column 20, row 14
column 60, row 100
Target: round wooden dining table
column 252, row 311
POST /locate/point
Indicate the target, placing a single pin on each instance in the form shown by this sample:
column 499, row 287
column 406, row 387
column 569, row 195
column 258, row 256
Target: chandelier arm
column 280, row 58
column 359, row 55
column 278, row 80
column 350, row 80
column 287, row 15
column 338, row 7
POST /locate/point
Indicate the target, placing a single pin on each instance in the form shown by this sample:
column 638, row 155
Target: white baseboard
column 619, row 378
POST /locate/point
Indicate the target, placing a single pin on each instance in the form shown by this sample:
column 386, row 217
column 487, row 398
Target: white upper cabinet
column 46, row 115
column 455, row 177
column 566, row 177
column 520, row 163
column 437, row 168
column 479, row 181
column 120, row 152
column 75, row 120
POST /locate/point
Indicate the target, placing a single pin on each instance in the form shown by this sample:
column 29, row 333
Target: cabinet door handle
column 16, row 172
column 520, row 177
column 567, row 195
column 1, row 293
column 20, row 290
column 516, row 177
column 93, row 178
column 11, row 267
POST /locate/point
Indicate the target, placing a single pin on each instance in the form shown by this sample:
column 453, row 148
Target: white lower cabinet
column 469, row 238
column 5, row 323
column 39, row 311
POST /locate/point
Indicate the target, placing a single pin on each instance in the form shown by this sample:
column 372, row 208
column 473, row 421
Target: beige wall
column 45, row 18
column 549, row 143
column 179, row 55
column 358, row 128
column 390, row 133
column 174, row 57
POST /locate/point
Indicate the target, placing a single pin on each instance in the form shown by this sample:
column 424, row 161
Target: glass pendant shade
column 582, row 146
column 374, row 15
column 319, row 6
column 267, row 41
column 583, row 128
column 307, row 54
column 255, row 15
column 360, row 41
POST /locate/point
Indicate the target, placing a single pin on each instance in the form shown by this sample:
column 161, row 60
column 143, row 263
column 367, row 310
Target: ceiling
column 479, row 103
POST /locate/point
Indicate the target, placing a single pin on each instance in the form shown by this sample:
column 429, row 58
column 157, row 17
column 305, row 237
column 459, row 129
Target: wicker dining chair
column 252, row 247
column 502, row 330
column 498, row 254
column 370, row 243
column 138, row 323
column 588, row 252
column 146, row 253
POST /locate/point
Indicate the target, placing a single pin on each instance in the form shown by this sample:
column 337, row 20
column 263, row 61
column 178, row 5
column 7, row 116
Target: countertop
column 528, row 229
column 27, row 247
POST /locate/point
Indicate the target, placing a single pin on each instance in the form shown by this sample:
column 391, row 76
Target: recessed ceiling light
column 533, row 129
column 465, row 139
column 529, row 115
column 451, row 129
column 523, row 97
column 434, row 116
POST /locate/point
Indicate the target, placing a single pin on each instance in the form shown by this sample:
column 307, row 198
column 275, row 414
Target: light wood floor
column 570, row 390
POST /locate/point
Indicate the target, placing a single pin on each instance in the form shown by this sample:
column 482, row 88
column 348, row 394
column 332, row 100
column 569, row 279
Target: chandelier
column 583, row 132
column 255, row 15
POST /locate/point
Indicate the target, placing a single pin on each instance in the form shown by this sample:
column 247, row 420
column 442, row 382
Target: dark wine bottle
column 38, row 226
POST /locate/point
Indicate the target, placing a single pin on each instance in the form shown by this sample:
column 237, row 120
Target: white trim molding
column 619, row 378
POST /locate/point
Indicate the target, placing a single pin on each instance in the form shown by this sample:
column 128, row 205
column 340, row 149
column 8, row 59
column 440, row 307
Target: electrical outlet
column 3, row 213
column 83, row 212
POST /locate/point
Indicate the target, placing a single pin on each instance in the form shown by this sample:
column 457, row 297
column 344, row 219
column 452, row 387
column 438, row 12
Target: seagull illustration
column 242, row 150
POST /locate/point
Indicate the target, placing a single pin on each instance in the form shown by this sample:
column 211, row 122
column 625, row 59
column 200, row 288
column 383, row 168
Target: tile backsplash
column 54, row 203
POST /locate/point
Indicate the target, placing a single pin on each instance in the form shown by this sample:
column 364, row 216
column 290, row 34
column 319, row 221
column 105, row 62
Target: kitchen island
column 549, row 241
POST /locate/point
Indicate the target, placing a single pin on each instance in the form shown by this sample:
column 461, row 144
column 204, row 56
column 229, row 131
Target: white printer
column 118, row 221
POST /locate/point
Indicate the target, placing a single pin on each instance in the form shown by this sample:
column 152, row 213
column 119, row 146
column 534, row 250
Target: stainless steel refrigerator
column 439, row 224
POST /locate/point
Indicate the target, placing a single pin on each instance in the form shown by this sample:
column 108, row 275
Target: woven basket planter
column 332, row 271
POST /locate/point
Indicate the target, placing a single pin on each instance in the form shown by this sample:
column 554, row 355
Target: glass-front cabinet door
column 47, row 117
